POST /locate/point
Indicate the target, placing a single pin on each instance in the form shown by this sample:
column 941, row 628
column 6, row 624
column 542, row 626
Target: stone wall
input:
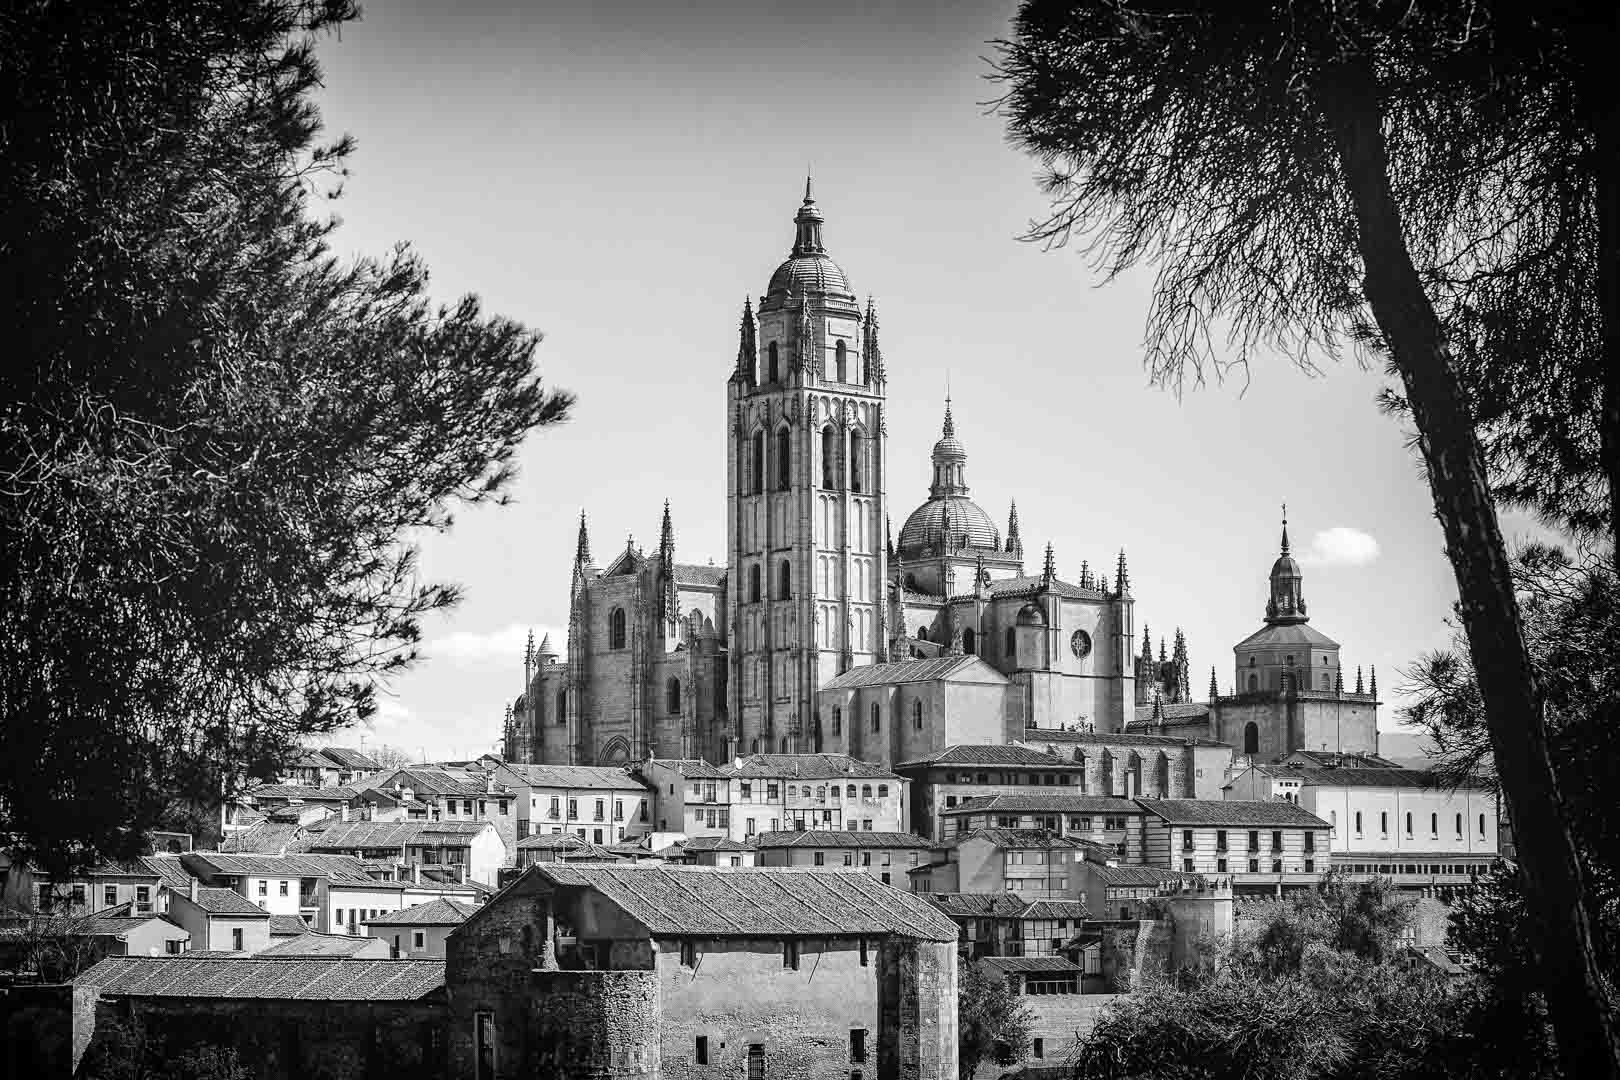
column 1132, row 949
column 588, row 1024
column 917, row 1028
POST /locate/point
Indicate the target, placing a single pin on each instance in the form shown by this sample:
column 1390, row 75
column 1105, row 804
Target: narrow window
column 1254, row 684
column 1011, row 645
column 829, row 457
column 1434, row 825
column 857, row 1046
column 866, row 960
column 672, row 696
column 756, row 1062
column 700, row 1051
column 109, row 894
column 970, row 642
column 1251, row 737
column 784, row 461
column 1038, row 1048
column 773, row 368
column 1358, row 822
column 562, row 707
column 790, row 955
column 1459, row 826
column 1482, row 825
column 484, row 1046
column 916, row 714
column 753, row 584
column 688, row 953
column 784, row 580
column 1409, row 824
column 616, row 629
column 236, row 939
column 418, row 939
column 758, row 463
column 1383, row 822
column 841, row 362
column 837, row 720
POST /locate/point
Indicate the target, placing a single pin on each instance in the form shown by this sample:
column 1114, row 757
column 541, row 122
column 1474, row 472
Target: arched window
column 829, row 457
column 842, row 359
column 774, row 370
column 616, row 629
column 1434, row 824
column 1011, row 643
column 1482, row 825
column 1251, row 661
column 837, row 720
column 970, row 642
column 916, row 714
column 753, row 584
column 1162, row 777
column 1459, row 826
column 1409, row 824
column 1290, row 661
column 877, row 717
column 821, row 791
column 857, row 460
column 672, row 696
column 562, row 706
column 883, row 791
column 1251, row 738
column 757, row 462
column 755, row 744
column 866, row 791
column 781, row 745
column 1254, row 684
column 922, row 633
column 784, row 580
column 784, row 460
column 1326, row 683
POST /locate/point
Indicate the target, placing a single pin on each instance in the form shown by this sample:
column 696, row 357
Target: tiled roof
column 357, row 835
column 1173, row 710
column 306, row 792
column 1198, row 722
column 1018, row 838
column 914, row 671
column 268, row 837
column 998, row 754
column 311, row 944
column 1348, row 761
column 304, row 978
column 1231, row 812
column 1138, row 875
column 597, row 777
column 1287, row 634
column 1057, row 909
column 691, row 768
column 714, row 843
column 349, row 758
column 338, row 868
column 226, row 902
column 168, row 870
column 804, row 767
column 430, row 781
column 693, row 574
column 1012, row 802
column 111, row 922
column 288, row 926
column 439, row 912
column 1056, row 736
column 1029, row 584
column 838, row 838
column 977, row 905
column 1028, row 965
column 753, row 902
column 1319, row 777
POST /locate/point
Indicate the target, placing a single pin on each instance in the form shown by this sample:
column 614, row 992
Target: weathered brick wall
column 590, row 1024
column 488, row 961
column 917, row 1033
column 1060, row 1021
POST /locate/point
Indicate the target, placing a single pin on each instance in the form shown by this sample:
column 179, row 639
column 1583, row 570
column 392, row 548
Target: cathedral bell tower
column 805, row 496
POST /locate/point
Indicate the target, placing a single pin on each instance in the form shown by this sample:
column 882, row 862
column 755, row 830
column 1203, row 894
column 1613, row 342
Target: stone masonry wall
column 591, row 1025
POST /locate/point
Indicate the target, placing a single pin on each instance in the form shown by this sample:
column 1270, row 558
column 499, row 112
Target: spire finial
column 1214, row 690
column 582, row 550
column 1122, row 577
column 807, row 196
column 1372, row 685
column 1015, row 542
column 1285, row 528
column 1147, row 643
column 1049, row 569
column 1361, row 687
column 949, row 426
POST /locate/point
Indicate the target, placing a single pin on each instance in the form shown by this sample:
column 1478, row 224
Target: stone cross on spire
column 1285, row 528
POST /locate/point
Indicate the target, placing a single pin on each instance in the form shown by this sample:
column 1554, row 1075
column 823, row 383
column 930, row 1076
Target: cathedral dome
column 802, row 274
column 952, row 521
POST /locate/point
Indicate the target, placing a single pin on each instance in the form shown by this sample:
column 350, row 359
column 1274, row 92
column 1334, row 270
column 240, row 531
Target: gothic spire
column 888, row 537
column 1214, row 690
column 1015, row 542
column 871, row 352
column 1361, row 687
column 747, row 345
column 1162, row 655
column 1338, row 681
column 1285, row 528
column 666, row 532
column 1085, row 573
column 545, row 645
column 582, row 550
column 948, row 429
column 1049, row 568
column 1147, row 643
column 807, row 226
column 1122, row 576
column 1158, row 706
column 1372, row 686
column 669, row 601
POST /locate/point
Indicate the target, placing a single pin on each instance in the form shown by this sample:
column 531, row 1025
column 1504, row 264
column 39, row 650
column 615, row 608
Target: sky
column 621, row 176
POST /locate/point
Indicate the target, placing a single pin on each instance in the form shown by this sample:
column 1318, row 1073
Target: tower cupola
column 1287, row 603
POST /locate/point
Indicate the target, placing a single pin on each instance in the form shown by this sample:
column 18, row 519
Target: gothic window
column 857, row 461
column 829, row 459
column 1134, row 775
column 672, row 696
column 616, row 629
column 922, row 633
column 1434, row 825
column 1011, row 643
column 1251, row 738
column 970, row 642
column 562, row 706
column 784, row 580
column 757, row 463
column 1163, row 777
column 837, row 720
column 753, row 584
column 877, row 717
column 784, row 460
column 841, row 361
column 1254, row 682
column 1105, row 775
column 782, row 745
column 1325, row 683
column 916, row 714
column 774, row 369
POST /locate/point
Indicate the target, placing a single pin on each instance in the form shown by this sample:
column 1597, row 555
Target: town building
column 332, row 894
column 1110, row 823
column 942, row 780
column 302, row 804
column 1030, row 863
column 420, row 932
column 107, row 885
column 312, row 944
column 559, row 847
column 1133, row 764
column 1114, row 890
column 220, row 920
column 467, row 850
column 114, row 931
column 457, row 794
column 887, row 856
column 601, row 804
column 1258, row 846
column 775, row 793
column 664, row 971
column 710, row 851
column 330, row 766
column 1400, row 823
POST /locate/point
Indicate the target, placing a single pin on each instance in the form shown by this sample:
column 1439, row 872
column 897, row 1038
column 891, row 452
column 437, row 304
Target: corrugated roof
column 1013, row 802
column 838, row 838
column 304, row 978
column 312, row 944
column 1001, row 905
column 914, row 671
column 1231, row 812
column 755, row 902
column 997, row 754
column 441, row 912
column 226, row 902
column 804, row 767
column 338, row 868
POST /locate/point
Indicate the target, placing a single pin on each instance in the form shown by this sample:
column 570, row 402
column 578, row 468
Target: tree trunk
column 1515, row 714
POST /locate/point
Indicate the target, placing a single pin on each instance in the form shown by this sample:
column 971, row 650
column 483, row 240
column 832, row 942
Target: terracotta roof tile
column 313, row 944
column 838, row 838
column 1028, row 965
column 992, row 754
column 977, row 905
column 804, row 767
column 227, row 902
column 305, row 978
column 914, row 671
column 1230, row 812
column 441, row 912
column 1013, row 802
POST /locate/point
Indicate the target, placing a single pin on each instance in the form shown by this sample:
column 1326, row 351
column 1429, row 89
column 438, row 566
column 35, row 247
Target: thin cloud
column 490, row 648
column 1340, row 546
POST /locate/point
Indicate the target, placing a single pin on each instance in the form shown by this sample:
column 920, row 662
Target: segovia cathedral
column 823, row 633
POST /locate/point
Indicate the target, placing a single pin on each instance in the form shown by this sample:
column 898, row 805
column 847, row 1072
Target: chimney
column 416, row 873
column 489, row 783
column 193, row 890
column 345, row 812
